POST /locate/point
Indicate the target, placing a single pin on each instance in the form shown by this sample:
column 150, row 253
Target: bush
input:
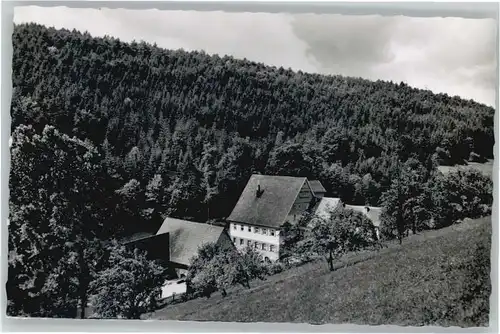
column 461, row 194
column 252, row 263
column 275, row 268
column 217, row 269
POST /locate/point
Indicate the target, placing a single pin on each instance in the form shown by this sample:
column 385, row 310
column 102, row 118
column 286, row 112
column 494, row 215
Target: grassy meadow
column 437, row 278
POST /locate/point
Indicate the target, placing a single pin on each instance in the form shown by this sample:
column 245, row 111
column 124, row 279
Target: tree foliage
column 332, row 237
column 56, row 219
column 217, row 269
column 129, row 285
column 461, row 194
column 419, row 200
column 219, row 119
column 407, row 203
column 121, row 135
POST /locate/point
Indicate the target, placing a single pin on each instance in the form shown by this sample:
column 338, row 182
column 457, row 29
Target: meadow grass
column 435, row 278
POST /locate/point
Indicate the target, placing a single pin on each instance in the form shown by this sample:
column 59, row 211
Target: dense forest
column 109, row 137
column 180, row 132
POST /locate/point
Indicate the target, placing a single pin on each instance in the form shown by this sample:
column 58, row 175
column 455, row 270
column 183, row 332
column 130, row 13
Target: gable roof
column 317, row 187
column 373, row 213
column 156, row 246
column 135, row 237
column 273, row 206
column 187, row 236
column 325, row 205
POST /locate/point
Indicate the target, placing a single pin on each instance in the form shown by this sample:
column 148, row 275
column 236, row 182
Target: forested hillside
column 180, row 132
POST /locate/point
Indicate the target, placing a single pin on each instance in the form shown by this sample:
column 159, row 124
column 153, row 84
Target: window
column 234, row 240
column 272, row 232
column 272, row 248
column 249, row 229
column 242, row 241
column 235, row 226
column 242, row 227
column 256, row 230
column 264, row 247
column 264, row 231
column 249, row 243
column 256, row 245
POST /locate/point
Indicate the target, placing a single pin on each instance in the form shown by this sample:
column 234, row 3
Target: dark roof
column 156, row 246
column 135, row 237
column 317, row 187
column 186, row 237
column 273, row 206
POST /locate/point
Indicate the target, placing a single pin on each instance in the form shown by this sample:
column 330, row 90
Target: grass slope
column 436, row 278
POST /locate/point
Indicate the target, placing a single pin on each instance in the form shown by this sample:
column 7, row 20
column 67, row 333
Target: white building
column 266, row 204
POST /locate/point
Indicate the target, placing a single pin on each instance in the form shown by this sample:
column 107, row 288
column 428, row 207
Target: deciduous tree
column 343, row 231
column 129, row 286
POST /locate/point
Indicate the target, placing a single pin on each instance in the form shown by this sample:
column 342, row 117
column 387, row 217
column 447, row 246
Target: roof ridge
column 189, row 221
column 288, row 176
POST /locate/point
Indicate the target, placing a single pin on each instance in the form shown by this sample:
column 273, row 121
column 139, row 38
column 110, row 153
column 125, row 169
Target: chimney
column 259, row 191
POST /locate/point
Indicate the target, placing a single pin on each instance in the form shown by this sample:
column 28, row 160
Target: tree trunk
column 83, row 303
column 83, row 287
column 330, row 260
column 84, row 282
column 247, row 282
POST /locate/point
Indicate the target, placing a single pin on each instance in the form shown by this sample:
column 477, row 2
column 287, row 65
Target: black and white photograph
column 251, row 167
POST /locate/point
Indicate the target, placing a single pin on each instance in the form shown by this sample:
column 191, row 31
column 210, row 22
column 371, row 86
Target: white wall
column 253, row 236
column 171, row 287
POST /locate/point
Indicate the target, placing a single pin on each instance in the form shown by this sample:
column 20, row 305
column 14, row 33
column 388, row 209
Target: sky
column 446, row 55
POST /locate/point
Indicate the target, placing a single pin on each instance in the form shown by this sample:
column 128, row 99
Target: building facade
column 266, row 204
column 265, row 239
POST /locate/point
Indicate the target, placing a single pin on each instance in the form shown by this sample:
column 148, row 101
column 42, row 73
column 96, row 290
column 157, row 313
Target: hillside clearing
column 485, row 168
column 436, row 278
